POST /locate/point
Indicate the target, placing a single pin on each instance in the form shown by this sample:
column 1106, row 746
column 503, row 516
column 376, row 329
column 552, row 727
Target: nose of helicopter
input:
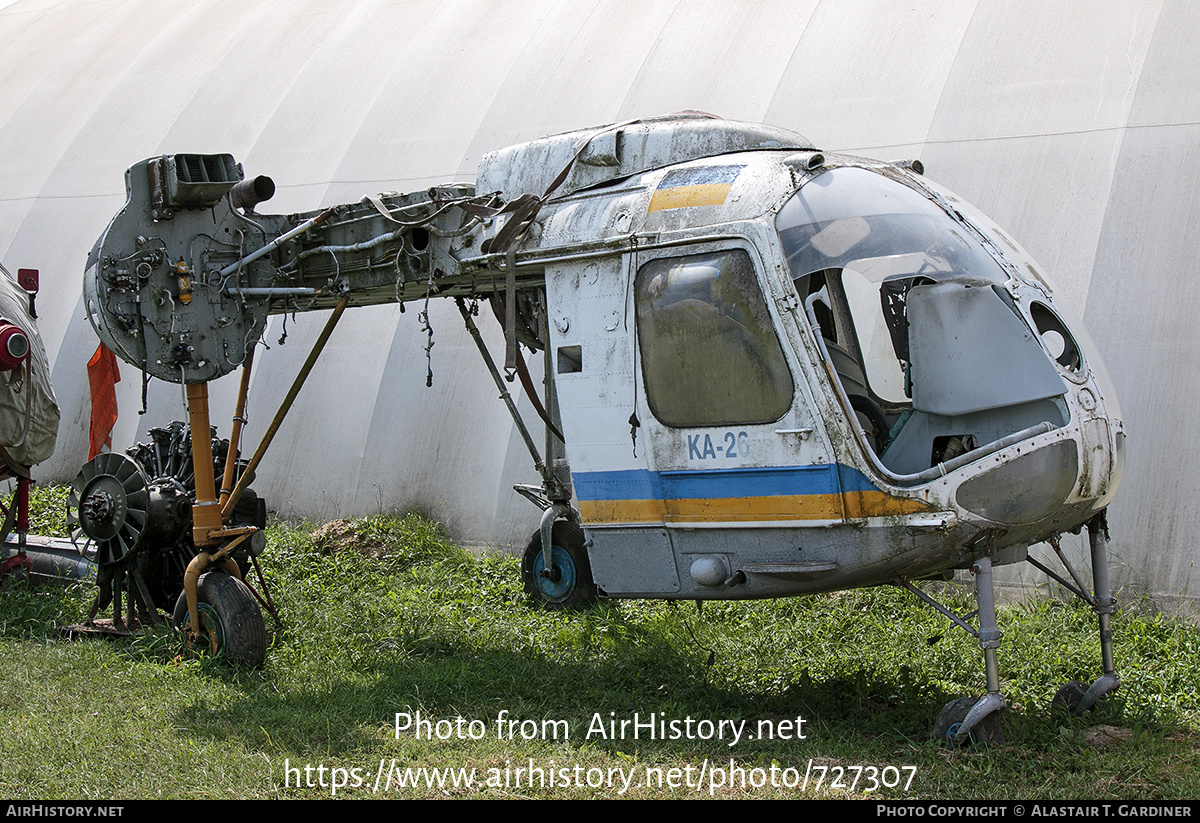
column 1064, row 475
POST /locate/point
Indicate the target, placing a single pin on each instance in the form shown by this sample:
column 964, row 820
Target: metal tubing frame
column 235, row 433
column 1062, row 558
column 929, row 601
column 538, row 463
column 265, row 598
column 207, row 528
column 1062, row 581
column 284, row 407
column 557, row 508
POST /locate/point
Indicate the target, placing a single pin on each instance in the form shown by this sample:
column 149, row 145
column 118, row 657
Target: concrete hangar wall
column 1075, row 125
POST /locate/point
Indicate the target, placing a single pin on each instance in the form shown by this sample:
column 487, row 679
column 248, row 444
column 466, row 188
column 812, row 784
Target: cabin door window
column 710, row 356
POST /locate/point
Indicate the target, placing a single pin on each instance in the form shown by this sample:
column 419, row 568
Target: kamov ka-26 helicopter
column 769, row 371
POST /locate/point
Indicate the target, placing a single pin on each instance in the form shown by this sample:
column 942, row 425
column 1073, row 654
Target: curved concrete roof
column 1074, row 125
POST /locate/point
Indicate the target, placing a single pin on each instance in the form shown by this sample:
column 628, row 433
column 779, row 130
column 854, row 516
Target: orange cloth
column 103, row 375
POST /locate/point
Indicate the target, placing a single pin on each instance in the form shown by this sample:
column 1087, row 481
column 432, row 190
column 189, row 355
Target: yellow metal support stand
column 206, row 511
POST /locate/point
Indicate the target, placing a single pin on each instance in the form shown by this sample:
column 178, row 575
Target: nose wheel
column 971, row 720
column 955, row 715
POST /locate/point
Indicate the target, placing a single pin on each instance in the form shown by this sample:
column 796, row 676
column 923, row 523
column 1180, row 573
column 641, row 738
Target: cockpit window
column 851, row 218
column 857, row 243
column 912, row 313
column 709, row 352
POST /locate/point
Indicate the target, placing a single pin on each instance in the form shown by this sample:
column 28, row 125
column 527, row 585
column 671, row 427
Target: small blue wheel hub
column 556, row 591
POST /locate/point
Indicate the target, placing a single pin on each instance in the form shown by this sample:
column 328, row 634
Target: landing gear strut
column 967, row 719
column 1074, row 696
column 975, row 720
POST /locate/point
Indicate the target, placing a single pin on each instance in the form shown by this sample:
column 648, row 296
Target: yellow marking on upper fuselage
column 678, row 197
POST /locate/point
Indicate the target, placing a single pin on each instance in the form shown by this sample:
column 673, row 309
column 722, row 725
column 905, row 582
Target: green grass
column 404, row 621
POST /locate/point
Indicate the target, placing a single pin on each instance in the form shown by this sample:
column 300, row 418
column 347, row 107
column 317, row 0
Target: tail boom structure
column 183, row 279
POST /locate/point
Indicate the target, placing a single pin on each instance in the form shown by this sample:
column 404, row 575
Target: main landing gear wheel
column 570, row 585
column 231, row 624
column 987, row 732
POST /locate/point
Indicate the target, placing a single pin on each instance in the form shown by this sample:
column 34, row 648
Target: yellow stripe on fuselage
column 678, row 197
column 880, row 504
column 749, row 509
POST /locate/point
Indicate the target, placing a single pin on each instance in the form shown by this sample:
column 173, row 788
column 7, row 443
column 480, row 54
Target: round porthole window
column 1056, row 338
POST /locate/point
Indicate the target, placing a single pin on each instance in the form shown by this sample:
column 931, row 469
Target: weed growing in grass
column 48, row 510
column 32, row 613
column 385, row 615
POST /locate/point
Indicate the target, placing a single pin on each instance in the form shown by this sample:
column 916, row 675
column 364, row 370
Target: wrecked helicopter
column 769, row 370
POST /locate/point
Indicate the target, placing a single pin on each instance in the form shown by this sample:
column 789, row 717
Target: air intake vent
column 200, row 180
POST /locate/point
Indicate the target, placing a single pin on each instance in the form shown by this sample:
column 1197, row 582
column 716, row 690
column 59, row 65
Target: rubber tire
column 1070, row 696
column 987, row 732
column 577, row 589
column 234, row 614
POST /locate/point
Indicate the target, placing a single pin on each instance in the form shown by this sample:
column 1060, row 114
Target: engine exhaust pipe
column 249, row 193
